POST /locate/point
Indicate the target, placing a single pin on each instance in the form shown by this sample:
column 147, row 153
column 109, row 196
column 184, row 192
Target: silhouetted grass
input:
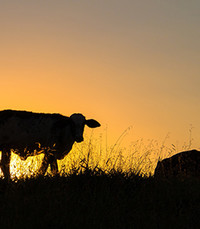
column 101, row 188
column 95, row 199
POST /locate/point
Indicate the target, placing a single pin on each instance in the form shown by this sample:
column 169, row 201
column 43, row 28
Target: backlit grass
column 99, row 187
column 140, row 157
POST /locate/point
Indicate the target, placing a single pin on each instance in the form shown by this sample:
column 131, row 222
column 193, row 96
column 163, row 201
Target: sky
column 130, row 63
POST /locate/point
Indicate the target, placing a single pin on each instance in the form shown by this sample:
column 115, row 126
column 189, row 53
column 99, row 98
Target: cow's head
column 78, row 124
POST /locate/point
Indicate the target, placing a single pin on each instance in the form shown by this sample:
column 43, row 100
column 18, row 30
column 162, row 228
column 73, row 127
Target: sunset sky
column 122, row 62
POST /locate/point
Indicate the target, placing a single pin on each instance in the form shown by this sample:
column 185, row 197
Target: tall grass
column 94, row 154
column 99, row 187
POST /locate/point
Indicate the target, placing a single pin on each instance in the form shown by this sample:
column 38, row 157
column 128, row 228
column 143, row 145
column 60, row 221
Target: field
column 100, row 191
column 91, row 200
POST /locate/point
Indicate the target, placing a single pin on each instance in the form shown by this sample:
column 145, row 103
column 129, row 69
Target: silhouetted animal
column 184, row 164
column 28, row 134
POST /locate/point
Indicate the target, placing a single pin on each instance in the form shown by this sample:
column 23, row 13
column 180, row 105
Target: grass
column 100, row 188
column 91, row 200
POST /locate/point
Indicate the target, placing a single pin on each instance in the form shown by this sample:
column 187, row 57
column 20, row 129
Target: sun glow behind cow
column 22, row 169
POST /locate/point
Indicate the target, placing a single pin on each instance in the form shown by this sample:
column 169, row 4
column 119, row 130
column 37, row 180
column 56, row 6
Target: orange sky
column 124, row 63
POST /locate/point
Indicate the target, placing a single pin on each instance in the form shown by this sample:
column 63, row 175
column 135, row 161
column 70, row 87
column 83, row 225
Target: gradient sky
column 125, row 63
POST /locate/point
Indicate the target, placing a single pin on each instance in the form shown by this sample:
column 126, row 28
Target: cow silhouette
column 183, row 164
column 29, row 134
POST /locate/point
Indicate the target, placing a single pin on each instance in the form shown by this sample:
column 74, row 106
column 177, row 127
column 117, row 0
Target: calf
column 184, row 164
column 29, row 134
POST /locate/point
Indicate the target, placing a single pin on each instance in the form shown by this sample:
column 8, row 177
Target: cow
column 184, row 164
column 28, row 134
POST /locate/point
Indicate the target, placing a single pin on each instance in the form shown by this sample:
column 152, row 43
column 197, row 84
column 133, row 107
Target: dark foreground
column 99, row 201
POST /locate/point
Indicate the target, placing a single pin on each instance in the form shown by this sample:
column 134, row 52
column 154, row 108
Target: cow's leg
column 49, row 160
column 5, row 163
column 54, row 165
column 45, row 164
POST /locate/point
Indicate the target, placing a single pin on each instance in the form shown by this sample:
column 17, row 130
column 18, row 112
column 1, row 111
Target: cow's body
column 29, row 134
column 184, row 164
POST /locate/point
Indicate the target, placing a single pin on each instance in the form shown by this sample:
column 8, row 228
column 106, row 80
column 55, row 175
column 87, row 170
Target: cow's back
column 19, row 129
column 185, row 164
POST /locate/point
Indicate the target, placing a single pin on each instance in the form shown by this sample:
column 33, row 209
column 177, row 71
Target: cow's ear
column 92, row 123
